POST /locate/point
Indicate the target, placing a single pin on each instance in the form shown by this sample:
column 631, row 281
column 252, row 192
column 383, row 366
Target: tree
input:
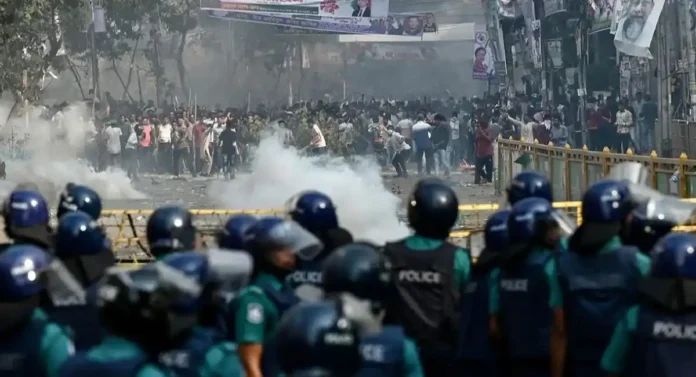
column 180, row 17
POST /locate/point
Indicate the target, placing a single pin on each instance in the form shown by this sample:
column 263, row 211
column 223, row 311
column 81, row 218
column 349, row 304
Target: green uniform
column 462, row 259
column 412, row 364
column 614, row 358
column 56, row 346
column 222, row 361
column 256, row 317
column 115, row 348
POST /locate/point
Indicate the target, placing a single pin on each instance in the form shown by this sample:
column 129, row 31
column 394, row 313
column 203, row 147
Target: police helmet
column 317, row 339
column 495, row 236
column 79, row 234
column 25, row 209
column 139, row 305
column 606, row 201
column 674, row 256
column 20, row 270
column 528, row 184
column 527, row 220
column 170, row 229
column 647, row 225
column 231, row 236
column 313, row 210
column 270, row 234
column 433, row 208
column 79, row 198
column 358, row 268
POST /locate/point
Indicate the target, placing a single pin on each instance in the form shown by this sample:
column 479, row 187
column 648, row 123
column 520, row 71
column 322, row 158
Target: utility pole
column 582, row 49
column 687, row 48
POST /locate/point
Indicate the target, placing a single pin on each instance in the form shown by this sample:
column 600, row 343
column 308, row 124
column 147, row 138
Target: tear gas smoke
column 48, row 154
column 365, row 207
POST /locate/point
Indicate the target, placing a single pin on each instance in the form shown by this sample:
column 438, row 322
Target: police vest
column 597, row 291
column 426, row 301
column 383, row 353
column 307, row 272
column 20, row 350
column 664, row 345
column 186, row 360
column 82, row 318
column 82, row 366
column 474, row 341
column 524, row 307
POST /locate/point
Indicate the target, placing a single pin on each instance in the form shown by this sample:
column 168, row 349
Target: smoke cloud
column 365, row 207
column 49, row 161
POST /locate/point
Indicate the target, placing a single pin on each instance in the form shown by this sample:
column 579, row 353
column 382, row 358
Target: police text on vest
column 427, row 277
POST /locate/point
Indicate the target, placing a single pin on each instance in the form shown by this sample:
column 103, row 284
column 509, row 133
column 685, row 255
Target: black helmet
column 170, row 229
column 357, row 268
column 433, row 208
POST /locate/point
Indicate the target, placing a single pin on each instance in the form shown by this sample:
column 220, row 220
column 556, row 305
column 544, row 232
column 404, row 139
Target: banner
column 552, row 7
column 409, row 25
column 323, row 8
column 390, row 25
column 636, row 25
column 484, row 66
column 601, row 14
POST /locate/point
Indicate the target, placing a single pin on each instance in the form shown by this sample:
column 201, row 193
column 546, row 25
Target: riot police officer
column 318, row 340
column 647, row 224
column 85, row 251
column 657, row 337
column 27, row 219
column 359, row 269
column 588, row 312
column 30, row 345
column 79, row 198
column 273, row 244
column 429, row 274
column 170, row 229
column 203, row 351
column 529, row 184
column 316, row 213
column 519, row 302
column 136, row 309
column 231, row 236
column 477, row 351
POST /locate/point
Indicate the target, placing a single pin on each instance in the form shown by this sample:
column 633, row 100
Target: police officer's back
column 79, row 198
column 476, row 350
column 273, row 244
column 30, row 345
column 598, row 277
column 429, row 273
column 519, row 301
column 136, row 309
column 204, row 351
column 315, row 212
column 657, row 337
column 170, row 229
column 26, row 218
column 85, row 251
column 359, row 269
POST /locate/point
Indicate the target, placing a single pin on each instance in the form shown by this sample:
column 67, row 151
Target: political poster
column 321, row 8
column 408, row 25
column 484, row 66
column 636, row 26
column 394, row 24
column 552, row 7
column 601, row 14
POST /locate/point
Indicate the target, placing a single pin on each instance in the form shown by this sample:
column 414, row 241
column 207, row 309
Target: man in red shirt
column 484, row 153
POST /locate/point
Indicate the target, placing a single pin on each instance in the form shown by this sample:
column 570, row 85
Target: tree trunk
column 120, row 79
column 76, row 75
column 180, row 65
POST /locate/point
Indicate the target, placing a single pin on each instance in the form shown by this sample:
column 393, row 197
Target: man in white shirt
column 112, row 134
column 318, row 143
column 164, row 146
column 453, row 146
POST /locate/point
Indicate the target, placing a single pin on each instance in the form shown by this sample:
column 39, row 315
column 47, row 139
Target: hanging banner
column 601, row 14
column 484, row 66
column 390, row 25
column 636, row 25
column 552, row 7
column 323, row 8
column 408, row 25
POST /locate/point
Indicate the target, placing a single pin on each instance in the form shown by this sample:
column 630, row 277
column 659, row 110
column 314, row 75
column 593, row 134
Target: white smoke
column 49, row 162
column 365, row 207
